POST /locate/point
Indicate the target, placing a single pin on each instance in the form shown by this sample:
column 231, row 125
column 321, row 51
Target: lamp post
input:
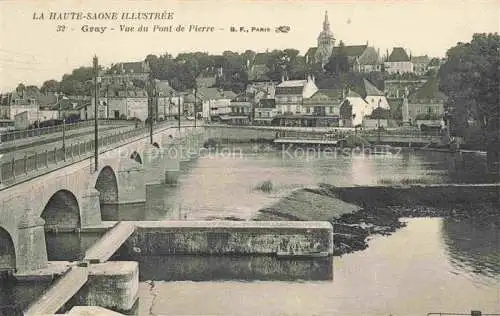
column 170, row 105
column 61, row 114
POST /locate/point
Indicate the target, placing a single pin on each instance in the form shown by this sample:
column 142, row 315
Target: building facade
column 265, row 112
column 398, row 62
column 420, row 64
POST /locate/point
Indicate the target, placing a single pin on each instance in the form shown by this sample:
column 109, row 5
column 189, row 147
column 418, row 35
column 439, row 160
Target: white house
column 215, row 102
column 374, row 97
column 289, row 95
column 359, row 109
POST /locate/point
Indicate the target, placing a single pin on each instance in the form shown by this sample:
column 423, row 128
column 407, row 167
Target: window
column 331, row 109
column 308, row 110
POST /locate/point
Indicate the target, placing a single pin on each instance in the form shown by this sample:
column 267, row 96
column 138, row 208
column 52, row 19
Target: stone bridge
column 69, row 197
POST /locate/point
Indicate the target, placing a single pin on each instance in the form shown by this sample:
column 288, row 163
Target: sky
column 32, row 51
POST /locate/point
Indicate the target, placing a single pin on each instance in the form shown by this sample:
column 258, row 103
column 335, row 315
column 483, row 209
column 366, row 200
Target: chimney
column 313, row 79
column 282, row 78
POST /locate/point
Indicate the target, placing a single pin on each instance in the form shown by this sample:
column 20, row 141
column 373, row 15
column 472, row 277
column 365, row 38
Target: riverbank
column 359, row 212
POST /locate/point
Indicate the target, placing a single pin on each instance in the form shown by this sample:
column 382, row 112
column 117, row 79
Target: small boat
column 307, row 255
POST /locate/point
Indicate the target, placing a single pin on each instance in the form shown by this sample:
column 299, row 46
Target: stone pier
column 131, row 183
column 112, row 285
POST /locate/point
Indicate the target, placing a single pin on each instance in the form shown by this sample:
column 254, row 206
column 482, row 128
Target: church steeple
column 326, row 23
column 326, row 42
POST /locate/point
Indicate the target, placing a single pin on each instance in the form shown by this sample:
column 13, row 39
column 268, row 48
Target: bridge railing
column 310, row 135
column 34, row 132
column 10, row 171
column 342, row 134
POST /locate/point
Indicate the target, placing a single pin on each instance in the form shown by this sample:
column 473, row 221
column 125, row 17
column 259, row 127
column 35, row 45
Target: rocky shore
column 359, row 212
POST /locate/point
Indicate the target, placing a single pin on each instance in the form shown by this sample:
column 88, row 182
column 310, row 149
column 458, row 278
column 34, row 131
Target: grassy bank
column 358, row 212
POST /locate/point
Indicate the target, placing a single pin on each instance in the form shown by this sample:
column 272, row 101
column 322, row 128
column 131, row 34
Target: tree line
column 181, row 71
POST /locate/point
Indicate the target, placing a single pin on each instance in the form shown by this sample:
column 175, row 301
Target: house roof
column 370, row 89
column 420, row 59
column 398, row 55
column 214, row 94
column 327, row 94
column 163, row 88
column 130, row 67
column 293, row 83
column 311, row 51
column 351, row 51
column 369, row 57
column 289, row 90
column 229, row 94
column 127, row 93
column 353, row 94
column 67, row 103
column 290, row 87
column 429, row 91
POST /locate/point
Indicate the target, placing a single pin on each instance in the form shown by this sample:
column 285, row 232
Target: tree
column 32, row 90
column 20, row 88
column 470, row 79
column 381, row 113
column 50, row 86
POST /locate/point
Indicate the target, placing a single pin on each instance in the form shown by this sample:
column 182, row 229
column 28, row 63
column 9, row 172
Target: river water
column 431, row 265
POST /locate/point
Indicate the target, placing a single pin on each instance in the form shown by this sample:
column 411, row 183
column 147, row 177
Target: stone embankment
column 360, row 211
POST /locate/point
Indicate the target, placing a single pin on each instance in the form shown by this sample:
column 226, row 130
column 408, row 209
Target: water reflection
column 216, row 268
column 69, row 246
column 16, row 296
column 473, row 246
column 123, row 212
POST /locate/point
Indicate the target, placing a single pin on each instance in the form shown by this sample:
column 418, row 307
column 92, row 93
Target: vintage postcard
column 235, row 157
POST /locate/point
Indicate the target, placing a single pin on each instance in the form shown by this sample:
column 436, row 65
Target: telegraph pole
column 179, row 112
column 151, row 92
column 96, row 120
column 194, row 108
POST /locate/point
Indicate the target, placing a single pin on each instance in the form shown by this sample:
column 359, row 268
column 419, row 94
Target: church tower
column 326, row 42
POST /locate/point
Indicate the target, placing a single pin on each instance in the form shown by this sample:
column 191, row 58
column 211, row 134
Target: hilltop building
column 398, row 62
column 362, row 58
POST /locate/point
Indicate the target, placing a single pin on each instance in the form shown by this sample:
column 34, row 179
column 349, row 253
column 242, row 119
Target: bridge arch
column 107, row 185
column 7, row 252
column 62, row 211
column 135, row 156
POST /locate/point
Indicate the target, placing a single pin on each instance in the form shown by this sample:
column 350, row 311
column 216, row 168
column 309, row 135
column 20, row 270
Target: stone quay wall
column 229, row 237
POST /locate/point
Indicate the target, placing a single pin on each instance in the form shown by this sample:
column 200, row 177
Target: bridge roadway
column 28, row 146
column 49, row 192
